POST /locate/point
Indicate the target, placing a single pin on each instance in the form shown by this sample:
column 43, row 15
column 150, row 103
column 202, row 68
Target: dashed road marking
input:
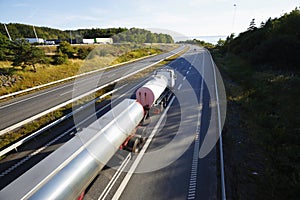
column 179, row 86
column 194, row 170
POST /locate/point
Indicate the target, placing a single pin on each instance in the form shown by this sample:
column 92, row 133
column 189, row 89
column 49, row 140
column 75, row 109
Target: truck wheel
column 165, row 104
column 134, row 144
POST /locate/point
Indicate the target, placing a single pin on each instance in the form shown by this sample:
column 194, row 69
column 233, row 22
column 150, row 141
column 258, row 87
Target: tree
column 60, row 58
column 25, row 54
column 4, row 47
column 262, row 24
column 252, row 25
column 220, row 42
column 66, row 48
column 84, row 52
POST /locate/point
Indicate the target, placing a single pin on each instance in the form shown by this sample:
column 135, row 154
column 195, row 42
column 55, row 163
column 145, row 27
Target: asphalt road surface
column 24, row 107
column 29, row 154
column 171, row 168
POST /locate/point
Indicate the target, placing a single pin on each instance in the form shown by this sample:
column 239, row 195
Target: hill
column 135, row 35
column 276, row 43
column 261, row 138
column 17, row 30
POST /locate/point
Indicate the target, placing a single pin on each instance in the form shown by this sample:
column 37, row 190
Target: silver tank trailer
column 154, row 88
column 67, row 172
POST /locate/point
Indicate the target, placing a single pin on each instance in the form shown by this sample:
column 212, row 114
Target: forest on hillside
column 17, row 30
column 119, row 35
column 274, row 43
column 261, row 135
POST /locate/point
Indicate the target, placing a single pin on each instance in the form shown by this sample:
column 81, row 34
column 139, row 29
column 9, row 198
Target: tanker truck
column 68, row 171
column 154, row 95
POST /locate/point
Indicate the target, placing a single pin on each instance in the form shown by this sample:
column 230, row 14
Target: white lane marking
column 190, row 68
column 184, row 78
column 62, row 94
column 187, row 72
column 179, row 86
column 140, row 155
column 33, row 96
column 194, row 170
column 115, row 177
column 110, row 75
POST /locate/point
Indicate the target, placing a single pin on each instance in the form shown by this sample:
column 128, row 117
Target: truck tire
column 134, row 144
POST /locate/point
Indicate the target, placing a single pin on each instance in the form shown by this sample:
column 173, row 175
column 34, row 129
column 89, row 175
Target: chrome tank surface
column 66, row 172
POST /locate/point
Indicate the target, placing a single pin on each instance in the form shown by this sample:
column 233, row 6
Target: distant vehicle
column 98, row 41
column 49, row 42
column 88, row 41
column 35, row 40
column 103, row 40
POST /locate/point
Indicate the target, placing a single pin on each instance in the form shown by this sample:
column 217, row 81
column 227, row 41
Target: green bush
column 60, row 58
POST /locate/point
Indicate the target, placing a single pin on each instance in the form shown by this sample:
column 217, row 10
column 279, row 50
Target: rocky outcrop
column 8, row 80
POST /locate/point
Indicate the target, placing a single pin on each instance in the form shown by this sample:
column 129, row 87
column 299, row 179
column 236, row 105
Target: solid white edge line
column 220, row 133
column 140, row 155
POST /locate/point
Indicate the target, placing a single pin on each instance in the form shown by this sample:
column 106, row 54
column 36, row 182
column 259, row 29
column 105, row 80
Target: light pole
column 7, row 32
column 233, row 20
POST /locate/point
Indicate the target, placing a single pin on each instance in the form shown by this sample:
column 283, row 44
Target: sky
column 185, row 17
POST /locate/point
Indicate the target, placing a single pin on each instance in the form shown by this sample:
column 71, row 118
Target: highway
column 169, row 165
column 20, row 108
column 171, row 168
